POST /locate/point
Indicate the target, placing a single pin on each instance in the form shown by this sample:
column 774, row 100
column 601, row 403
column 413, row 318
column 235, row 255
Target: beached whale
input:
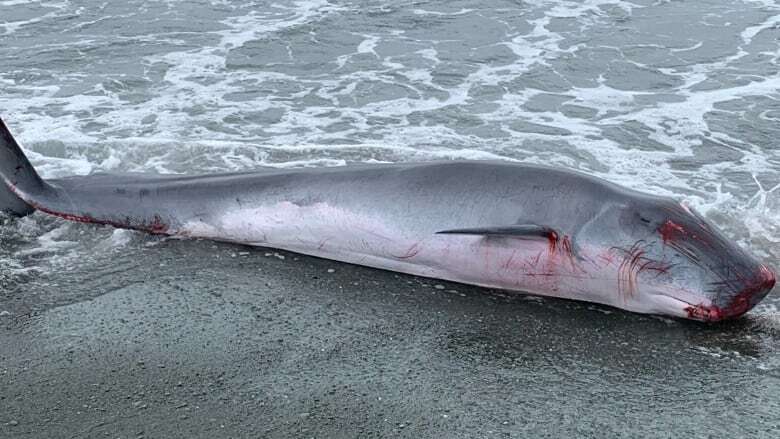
column 527, row 228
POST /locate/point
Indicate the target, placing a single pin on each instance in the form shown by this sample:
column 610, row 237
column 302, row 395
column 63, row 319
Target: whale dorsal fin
column 517, row 230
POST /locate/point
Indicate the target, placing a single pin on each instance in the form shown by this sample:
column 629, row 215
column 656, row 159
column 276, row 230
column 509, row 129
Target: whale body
column 520, row 227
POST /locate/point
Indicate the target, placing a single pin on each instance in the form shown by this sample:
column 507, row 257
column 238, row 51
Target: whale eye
column 644, row 220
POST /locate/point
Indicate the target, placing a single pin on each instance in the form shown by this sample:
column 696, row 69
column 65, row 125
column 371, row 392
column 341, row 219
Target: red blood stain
column 762, row 283
column 670, row 231
column 560, row 249
column 154, row 226
column 552, row 237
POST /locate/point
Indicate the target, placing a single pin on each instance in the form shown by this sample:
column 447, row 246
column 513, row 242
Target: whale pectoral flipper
column 518, row 231
column 556, row 239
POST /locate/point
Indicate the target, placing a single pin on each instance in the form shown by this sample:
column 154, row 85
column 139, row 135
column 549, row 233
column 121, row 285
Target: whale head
column 668, row 259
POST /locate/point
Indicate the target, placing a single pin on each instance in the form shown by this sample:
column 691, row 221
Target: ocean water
column 676, row 98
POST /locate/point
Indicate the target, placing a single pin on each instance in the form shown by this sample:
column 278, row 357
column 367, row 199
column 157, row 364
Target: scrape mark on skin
column 536, row 260
column 372, row 232
column 509, row 262
column 634, row 263
column 323, row 242
column 568, row 251
column 411, row 252
column 673, row 235
column 607, row 257
column 626, row 280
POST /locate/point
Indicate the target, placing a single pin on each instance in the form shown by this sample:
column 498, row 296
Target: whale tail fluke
column 18, row 177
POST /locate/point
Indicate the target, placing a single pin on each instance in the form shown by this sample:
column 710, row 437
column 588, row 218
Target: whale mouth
column 703, row 312
column 713, row 313
column 706, row 313
column 750, row 295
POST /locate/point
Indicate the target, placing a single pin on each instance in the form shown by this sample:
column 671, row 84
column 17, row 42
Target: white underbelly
column 333, row 233
column 534, row 266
